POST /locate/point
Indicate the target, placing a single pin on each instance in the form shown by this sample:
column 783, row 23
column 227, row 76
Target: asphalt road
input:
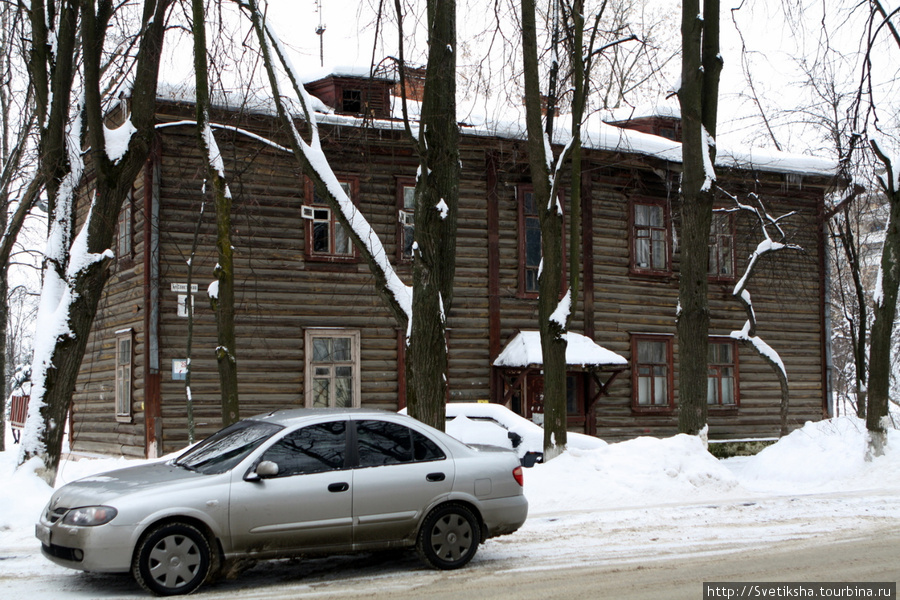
column 874, row 558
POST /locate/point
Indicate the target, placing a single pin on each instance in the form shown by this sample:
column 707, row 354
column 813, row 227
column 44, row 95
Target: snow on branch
column 768, row 225
column 314, row 159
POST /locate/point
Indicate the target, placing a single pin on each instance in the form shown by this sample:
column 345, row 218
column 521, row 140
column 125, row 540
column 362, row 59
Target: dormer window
column 352, row 102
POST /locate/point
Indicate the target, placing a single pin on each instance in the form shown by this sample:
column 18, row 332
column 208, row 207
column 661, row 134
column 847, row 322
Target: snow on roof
column 525, row 350
column 357, row 72
column 669, row 110
column 507, row 121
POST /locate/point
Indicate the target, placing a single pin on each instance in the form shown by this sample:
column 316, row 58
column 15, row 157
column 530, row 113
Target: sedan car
column 285, row 484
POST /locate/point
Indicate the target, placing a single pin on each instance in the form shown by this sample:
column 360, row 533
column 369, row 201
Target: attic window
column 352, row 102
column 667, row 132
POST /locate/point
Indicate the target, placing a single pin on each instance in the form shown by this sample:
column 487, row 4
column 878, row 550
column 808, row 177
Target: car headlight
column 90, row 516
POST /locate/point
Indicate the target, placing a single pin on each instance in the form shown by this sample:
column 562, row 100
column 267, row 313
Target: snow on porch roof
column 525, row 350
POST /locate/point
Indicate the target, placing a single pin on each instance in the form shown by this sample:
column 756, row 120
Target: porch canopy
column 524, row 350
column 522, row 356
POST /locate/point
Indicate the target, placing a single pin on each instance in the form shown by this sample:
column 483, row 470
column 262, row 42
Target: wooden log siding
column 281, row 295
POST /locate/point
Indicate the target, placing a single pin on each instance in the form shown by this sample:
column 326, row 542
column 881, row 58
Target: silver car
column 289, row 483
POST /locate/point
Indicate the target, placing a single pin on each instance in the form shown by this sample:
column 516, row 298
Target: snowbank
column 643, row 472
column 822, row 455
column 640, row 472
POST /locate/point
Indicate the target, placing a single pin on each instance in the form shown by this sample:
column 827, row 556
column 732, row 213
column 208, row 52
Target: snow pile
column 820, row 455
column 642, row 471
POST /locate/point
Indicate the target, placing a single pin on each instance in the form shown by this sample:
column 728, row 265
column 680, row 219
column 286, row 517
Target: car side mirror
column 263, row 470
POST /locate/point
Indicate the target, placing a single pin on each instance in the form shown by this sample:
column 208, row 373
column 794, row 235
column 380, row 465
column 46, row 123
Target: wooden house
column 312, row 332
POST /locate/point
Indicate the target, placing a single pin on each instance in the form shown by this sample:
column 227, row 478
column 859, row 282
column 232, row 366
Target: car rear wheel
column 172, row 559
column 449, row 537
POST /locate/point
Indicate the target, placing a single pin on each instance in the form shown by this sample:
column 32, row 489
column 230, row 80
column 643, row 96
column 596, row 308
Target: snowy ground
column 645, row 499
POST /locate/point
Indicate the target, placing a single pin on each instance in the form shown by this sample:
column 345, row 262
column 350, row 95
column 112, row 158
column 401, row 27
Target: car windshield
column 221, row 451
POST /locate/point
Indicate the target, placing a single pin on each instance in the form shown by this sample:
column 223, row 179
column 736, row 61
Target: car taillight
column 519, row 476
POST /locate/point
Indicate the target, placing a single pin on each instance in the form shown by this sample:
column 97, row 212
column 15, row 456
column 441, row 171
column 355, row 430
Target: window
column 326, row 238
column 406, row 210
column 332, row 368
column 382, row 443
column 722, row 389
column 650, row 238
column 351, row 101
column 721, row 246
column 529, row 242
column 530, row 253
column 125, row 231
column 652, row 380
column 313, row 449
column 123, row 374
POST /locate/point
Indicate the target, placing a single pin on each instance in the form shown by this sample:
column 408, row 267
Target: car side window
column 313, row 449
column 382, row 443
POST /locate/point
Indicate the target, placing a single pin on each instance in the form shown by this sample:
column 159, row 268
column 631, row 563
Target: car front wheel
column 172, row 559
column 449, row 537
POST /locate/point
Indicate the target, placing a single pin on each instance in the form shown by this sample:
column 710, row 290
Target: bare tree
column 222, row 294
column 768, row 225
column 698, row 95
column 71, row 108
column 436, row 202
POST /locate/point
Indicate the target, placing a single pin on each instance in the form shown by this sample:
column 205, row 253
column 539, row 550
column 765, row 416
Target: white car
column 496, row 425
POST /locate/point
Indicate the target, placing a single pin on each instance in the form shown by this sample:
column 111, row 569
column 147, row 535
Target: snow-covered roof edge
column 596, row 135
column 525, row 350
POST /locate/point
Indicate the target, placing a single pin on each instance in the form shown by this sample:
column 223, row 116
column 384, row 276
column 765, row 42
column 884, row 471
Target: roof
column 508, row 122
column 524, row 350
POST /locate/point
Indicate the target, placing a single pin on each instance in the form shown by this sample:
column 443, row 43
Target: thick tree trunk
column 885, row 311
column 113, row 181
column 698, row 95
column 437, row 194
column 553, row 344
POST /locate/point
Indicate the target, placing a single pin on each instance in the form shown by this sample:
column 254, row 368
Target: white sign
column 182, row 305
column 179, row 369
column 182, row 287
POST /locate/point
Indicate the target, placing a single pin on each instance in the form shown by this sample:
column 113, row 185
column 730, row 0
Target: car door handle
column 339, row 487
column 435, row 477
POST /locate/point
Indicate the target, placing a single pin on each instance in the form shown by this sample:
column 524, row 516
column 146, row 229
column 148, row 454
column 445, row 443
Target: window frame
column 403, row 183
column 309, row 201
column 309, row 364
column 714, row 245
column 123, row 375
column 634, row 268
column 636, row 406
column 522, row 266
column 125, row 230
column 735, row 365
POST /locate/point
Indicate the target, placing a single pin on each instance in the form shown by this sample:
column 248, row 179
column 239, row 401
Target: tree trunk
column 885, row 311
column 223, row 300
column 701, row 65
column 437, row 194
column 79, row 293
column 553, row 344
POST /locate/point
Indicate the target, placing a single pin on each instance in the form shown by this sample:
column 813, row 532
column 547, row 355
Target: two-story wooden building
column 312, row 332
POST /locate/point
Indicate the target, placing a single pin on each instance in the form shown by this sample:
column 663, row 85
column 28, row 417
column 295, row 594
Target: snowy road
column 663, row 551
column 645, row 518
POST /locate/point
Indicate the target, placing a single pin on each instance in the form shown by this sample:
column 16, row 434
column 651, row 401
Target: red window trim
column 669, row 407
column 633, row 269
column 308, row 254
column 735, row 354
column 732, row 230
column 521, row 190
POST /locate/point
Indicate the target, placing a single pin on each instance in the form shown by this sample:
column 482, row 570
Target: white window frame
column 124, row 367
column 310, row 365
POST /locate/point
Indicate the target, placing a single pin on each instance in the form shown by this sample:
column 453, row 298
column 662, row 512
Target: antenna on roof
column 320, row 30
